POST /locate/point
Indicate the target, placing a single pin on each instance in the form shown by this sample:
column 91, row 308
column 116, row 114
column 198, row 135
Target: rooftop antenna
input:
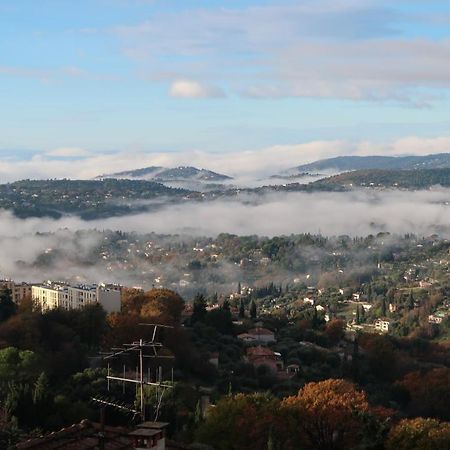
column 140, row 347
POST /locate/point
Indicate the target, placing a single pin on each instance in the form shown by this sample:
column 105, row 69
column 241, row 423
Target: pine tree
column 199, row 309
column 7, row 306
column 226, row 305
column 41, row 388
column 253, row 311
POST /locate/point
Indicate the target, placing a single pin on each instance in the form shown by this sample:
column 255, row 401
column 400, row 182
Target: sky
column 95, row 85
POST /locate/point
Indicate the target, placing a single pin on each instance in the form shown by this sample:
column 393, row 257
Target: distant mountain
column 397, row 178
column 347, row 163
column 162, row 174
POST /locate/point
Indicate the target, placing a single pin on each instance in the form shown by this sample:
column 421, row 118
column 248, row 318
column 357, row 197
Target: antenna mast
column 139, row 347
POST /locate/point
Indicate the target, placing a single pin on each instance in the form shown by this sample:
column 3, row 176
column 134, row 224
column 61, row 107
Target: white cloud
column 245, row 165
column 331, row 49
column 194, row 89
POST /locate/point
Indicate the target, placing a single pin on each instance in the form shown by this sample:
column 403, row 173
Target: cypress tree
column 383, row 308
column 241, row 309
column 253, row 311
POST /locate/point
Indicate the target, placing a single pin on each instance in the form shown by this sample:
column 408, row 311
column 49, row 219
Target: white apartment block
column 51, row 295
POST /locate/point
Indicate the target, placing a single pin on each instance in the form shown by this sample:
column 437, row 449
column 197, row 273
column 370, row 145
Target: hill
column 406, row 179
column 162, row 174
column 347, row 163
column 89, row 199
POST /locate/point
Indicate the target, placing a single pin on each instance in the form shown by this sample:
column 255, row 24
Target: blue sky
column 99, row 76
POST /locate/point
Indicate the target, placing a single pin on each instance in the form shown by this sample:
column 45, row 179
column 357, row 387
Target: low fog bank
column 357, row 213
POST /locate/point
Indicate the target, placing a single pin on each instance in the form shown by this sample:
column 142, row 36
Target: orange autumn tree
column 325, row 415
column 419, row 434
column 162, row 305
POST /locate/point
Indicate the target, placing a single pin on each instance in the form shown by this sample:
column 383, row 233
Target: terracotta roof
column 81, row 436
column 259, row 351
column 260, row 331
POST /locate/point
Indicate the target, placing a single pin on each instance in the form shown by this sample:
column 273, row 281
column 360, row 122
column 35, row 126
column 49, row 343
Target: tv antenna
column 144, row 349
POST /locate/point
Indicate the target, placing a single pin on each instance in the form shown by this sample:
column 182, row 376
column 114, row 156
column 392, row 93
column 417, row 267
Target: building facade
column 18, row 290
column 52, row 295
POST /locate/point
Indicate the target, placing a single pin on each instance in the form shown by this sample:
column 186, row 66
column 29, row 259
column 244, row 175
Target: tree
column 226, row 305
column 323, row 415
column 357, row 319
column 253, row 311
column 162, row 305
column 419, row 434
column 241, row 309
column 7, row 306
column 411, row 300
column 383, row 308
column 335, row 330
column 199, row 309
column 249, row 417
column 429, row 393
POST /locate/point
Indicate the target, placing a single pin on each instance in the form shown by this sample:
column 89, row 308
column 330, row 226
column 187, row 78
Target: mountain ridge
column 164, row 174
column 348, row 163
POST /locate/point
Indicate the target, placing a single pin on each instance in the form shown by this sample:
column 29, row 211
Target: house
column 262, row 334
column 88, row 435
column 438, row 317
column 383, row 325
column 245, row 337
column 263, row 356
column 433, row 318
column 214, row 359
column 292, row 369
column 308, row 301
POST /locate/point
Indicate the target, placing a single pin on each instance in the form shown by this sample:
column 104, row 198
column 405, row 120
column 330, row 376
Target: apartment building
column 18, row 290
column 51, row 295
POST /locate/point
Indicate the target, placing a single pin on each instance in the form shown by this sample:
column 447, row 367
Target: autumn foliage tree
column 323, row 415
column 161, row 305
column 419, row 434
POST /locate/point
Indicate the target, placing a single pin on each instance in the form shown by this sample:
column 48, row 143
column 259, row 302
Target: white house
column 383, row 325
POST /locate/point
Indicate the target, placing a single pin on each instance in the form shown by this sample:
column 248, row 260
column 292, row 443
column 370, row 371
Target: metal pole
column 141, row 364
